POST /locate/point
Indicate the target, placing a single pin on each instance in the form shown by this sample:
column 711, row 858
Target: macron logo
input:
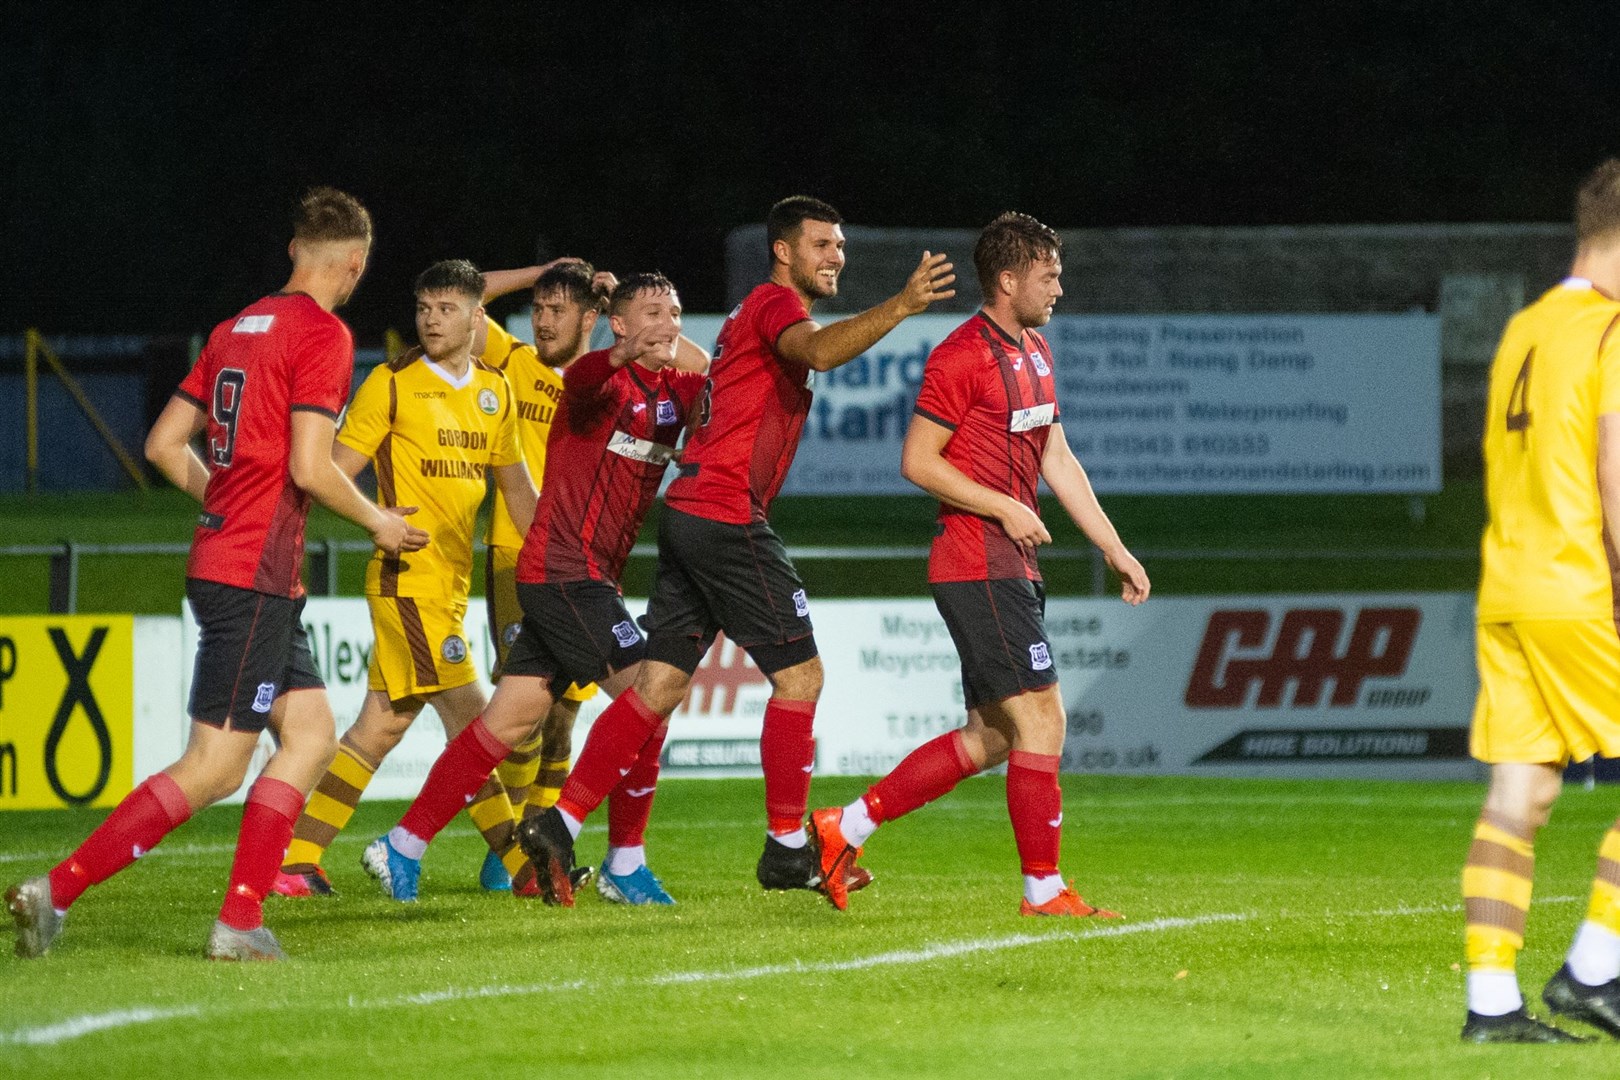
column 253, row 324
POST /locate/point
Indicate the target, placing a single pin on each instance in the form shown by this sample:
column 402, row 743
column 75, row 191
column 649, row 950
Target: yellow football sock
column 1605, row 907
column 517, row 771
column 491, row 811
column 548, row 783
column 329, row 808
column 1496, row 891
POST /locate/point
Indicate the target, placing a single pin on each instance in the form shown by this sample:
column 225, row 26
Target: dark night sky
column 149, row 152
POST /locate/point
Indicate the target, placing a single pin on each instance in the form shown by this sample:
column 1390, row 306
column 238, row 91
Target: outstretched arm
column 1067, row 478
column 168, row 446
column 823, row 348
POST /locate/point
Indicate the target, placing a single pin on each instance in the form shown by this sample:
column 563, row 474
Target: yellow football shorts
column 506, row 614
column 421, row 647
column 1549, row 692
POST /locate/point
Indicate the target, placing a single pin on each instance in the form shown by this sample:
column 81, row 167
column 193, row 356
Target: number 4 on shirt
column 1518, row 407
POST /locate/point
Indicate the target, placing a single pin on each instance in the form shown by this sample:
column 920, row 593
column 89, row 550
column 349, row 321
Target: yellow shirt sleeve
column 368, row 421
column 1609, row 373
column 498, row 345
column 504, row 450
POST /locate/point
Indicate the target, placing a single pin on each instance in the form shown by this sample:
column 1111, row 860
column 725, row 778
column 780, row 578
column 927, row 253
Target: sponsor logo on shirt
column 253, row 324
column 666, row 411
column 1039, row 361
column 265, row 698
column 488, row 403
column 626, row 634
column 454, row 650
column 1036, row 416
column 801, row 604
column 1040, row 658
column 627, row 445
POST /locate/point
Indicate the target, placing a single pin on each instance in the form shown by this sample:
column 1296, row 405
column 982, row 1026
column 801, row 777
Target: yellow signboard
column 67, row 727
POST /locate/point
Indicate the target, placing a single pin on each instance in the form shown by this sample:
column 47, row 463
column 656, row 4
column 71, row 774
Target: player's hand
column 604, row 282
column 1134, row 584
column 653, row 346
column 394, row 534
column 1023, row 526
column 930, row 282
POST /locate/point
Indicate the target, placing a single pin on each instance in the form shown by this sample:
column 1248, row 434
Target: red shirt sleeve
column 194, row 387
column 323, row 368
column 778, row 310
column 949, row 386
column 585, row 375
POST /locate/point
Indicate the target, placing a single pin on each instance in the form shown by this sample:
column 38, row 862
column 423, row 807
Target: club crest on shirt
column 265, row 698
column 626, row 634
column 1039, row 362
column 1040, row 658
column 666, row 411
column 801, row 604
column 488, row 403
column 454, row 650
column 510, row 634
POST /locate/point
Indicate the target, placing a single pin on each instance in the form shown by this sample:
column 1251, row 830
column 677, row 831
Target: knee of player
column 801, row 682
column 662, row 687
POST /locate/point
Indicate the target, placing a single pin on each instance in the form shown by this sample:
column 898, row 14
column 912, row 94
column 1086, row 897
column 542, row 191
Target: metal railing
column 324, row 556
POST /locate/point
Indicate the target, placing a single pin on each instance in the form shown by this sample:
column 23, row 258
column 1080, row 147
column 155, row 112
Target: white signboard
column 1289, row 686
column 1170, row 403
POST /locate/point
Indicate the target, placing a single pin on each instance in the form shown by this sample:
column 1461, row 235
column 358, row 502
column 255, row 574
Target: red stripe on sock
column 628, row 812
column 137, row 824
column 461, row 769
column 267, row 827
column 1035, row 805
column 610, row 752
column 787, row 753
column 925, row 774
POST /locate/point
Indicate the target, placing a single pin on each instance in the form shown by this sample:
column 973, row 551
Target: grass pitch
column 1274, row 929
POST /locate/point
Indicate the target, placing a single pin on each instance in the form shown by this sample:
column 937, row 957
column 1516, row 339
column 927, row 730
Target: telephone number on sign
column 1246, row 445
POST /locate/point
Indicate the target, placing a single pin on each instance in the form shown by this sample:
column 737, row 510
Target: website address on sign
column 1204, row 473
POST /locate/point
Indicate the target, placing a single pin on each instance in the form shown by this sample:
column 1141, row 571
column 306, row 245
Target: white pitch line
column 79, row 1026
column 76, row 1027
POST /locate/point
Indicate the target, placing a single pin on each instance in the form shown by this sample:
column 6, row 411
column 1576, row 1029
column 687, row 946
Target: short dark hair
column 788, row 217
column 1597, row 203
column 325, row 213
column 452, row 275
column 1011, row 242
column 576, row 280
column 634, row 285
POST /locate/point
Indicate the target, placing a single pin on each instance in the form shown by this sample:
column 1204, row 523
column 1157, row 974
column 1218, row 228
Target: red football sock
column 610, row 753
column 267, row 827
column 787, row 753
column 630, row 805
column 136, row 825
column 925, row 774
column 1035, row 804
column 461, row 770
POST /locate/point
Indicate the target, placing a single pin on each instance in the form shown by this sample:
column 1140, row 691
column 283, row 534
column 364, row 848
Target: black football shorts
column 573, row 632
column 252, row 649
column 999, row 627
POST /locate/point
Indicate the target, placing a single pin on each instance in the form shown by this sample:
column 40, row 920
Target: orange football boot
column 1067, row 902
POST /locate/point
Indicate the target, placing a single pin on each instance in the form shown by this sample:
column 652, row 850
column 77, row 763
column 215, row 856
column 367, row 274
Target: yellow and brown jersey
column 536, row 389
column 1556, row 371
column 432, row 439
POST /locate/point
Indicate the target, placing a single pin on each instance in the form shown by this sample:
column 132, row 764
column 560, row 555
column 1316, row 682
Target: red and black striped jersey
column 615, row 431
column 996, row 394
column 281, row 354
column 754, row 408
